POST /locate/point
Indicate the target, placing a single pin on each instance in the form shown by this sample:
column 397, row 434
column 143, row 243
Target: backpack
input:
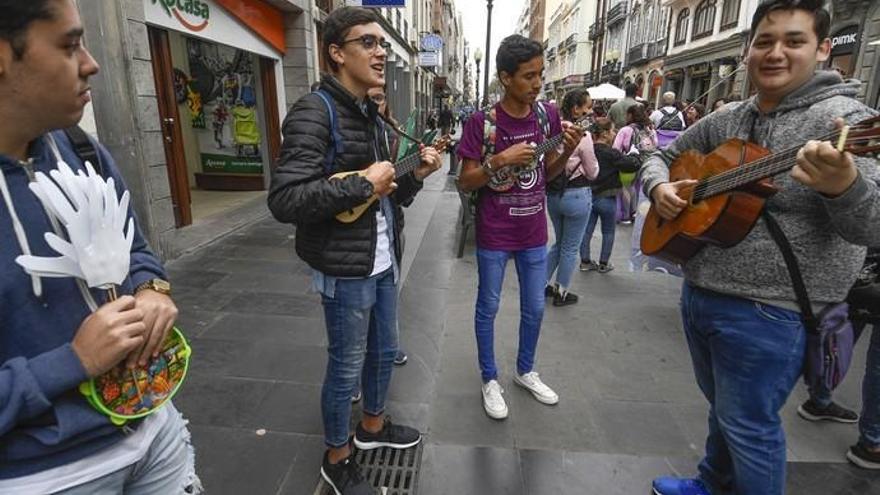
column 336, row 145
column 643, row 141
column 84, row 148
column 245, row 129
column 670, row 121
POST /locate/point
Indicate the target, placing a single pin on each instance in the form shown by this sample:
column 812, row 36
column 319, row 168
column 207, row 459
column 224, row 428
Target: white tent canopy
column 606, row 92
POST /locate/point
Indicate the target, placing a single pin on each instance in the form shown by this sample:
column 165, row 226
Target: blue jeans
column 167, row 467
column 605, row 209
column 869, row 423
column 569, row 213
column 361, row 320
column 531, row 266
column 747, row 357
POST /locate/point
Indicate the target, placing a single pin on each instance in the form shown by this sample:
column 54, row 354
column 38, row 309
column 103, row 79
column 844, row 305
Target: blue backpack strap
column 543, row 119
column 335, row 138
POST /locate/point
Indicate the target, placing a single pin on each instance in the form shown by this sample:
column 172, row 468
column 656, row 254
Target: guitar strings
column 762, row 167
column 757, row 170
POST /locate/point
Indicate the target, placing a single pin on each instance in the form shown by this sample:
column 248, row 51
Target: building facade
column 855, row 40
column 569, row 49
column 190, row 101
column 707, row 43
column 646, row 47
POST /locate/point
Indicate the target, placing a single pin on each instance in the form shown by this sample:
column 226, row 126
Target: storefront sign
column 429, row 59
column 250, row 25
column 845, row 41
column 191, row 14
column 231, row 164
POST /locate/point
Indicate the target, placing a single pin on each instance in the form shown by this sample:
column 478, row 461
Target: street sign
column 431, row 43
column 376, row 3
column 429, row 59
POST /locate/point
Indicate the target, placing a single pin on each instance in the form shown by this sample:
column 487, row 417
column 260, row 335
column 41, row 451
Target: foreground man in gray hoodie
column 741, row 319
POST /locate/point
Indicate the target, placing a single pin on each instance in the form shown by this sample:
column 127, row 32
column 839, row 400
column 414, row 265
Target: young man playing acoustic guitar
column 355, row 265
column 51, row 439
column 743, row 326
column 512, row 223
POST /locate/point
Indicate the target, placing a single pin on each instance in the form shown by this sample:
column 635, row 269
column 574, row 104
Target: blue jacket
column 44, row 421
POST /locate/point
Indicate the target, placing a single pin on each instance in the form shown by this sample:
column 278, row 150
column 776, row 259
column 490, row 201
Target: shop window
column 729, row 14
column 843, row 64
column 681, row 27
column 704, row 19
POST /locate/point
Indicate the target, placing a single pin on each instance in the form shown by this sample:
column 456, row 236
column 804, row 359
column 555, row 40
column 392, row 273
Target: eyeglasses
column 369, row 42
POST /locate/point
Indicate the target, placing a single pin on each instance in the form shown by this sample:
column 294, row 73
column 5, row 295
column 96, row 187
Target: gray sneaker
column 589, row 266
column 605, row 267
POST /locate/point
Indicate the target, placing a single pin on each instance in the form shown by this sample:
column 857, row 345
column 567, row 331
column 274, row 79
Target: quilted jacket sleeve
column 300, row 192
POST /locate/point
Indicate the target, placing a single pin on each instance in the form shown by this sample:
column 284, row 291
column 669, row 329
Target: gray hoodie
column 828, row 235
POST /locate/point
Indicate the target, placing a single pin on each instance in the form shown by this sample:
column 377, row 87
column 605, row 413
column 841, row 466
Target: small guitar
column 401, row 168
column 731, row 192
column 125, row 394
column 505, row 178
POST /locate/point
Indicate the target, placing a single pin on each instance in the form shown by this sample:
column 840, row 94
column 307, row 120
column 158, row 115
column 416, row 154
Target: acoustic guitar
column 733, row 185
column 401, row 168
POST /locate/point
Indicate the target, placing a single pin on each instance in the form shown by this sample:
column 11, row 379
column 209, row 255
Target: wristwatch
column 155, row 284
column 487, row 167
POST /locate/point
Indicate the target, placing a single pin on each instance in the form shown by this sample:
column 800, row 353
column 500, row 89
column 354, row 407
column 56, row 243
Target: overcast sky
column 473, row 16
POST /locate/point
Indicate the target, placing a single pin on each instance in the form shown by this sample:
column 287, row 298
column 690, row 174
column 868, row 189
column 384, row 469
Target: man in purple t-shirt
column 511, row 221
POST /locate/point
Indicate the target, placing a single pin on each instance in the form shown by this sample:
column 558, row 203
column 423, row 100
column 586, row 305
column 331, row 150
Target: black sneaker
column 551, row 291
column 391, row 435
column 834, row 412
column 859, row 455
column 345, row 477
column 564, row 299
column 400, row 358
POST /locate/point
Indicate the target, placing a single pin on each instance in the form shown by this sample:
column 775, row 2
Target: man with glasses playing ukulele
column 741, row 319
column 355, row 265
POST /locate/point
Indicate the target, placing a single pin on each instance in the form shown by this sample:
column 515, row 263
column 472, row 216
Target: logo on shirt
column 528, row 179
column 526, row 212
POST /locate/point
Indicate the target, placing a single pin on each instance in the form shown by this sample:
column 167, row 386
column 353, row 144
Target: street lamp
column 478, row 57
column 488, row 50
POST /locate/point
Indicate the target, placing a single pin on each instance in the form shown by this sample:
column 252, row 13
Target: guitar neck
column 736, row 178
column 553, row 142
column 407, row 164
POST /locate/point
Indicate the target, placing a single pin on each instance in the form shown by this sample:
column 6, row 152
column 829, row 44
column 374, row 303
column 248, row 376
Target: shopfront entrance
column 216, row 82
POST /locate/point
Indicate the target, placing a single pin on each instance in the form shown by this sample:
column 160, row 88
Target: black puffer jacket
column 611, row 163
column 301, row 194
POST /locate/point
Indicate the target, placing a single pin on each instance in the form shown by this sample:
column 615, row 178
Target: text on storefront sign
column 192, row 8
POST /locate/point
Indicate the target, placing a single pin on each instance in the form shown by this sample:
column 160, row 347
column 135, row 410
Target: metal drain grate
column 395, row 470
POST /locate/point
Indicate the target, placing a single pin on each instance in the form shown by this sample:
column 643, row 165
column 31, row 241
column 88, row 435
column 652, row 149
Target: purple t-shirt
column 514, row 219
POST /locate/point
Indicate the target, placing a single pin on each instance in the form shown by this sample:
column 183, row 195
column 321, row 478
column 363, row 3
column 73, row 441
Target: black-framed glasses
column 369, row 42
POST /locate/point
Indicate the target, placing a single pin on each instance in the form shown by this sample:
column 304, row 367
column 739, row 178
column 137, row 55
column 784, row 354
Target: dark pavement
column 629, row 408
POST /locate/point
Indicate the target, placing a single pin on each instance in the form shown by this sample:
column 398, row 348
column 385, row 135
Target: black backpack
column 670, row 121
column 84, row 148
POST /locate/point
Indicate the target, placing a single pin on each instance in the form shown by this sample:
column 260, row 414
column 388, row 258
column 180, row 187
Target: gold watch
column 155, row 284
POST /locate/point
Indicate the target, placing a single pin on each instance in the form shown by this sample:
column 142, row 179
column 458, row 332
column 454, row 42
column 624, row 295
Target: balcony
column 325, row 5
column 570, row 42
column 637, row 54
column 610, row 69
column 657, row 49
column 551, row 54
column 596, row 30
column 616, row 14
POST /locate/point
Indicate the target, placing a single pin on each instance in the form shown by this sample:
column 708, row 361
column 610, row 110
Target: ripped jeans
column 168, row 467
column 361, row 320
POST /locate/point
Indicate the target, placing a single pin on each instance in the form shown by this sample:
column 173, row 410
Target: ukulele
column 401, row 168
column 733, row 185
column 126, row 393
column 505, row 178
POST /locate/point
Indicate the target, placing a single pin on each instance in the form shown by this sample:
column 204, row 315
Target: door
column 172, row 136
column 270, row 104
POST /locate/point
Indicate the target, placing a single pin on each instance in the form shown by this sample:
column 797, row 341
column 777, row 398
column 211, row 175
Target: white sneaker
column 532, row 382
column 493, row 402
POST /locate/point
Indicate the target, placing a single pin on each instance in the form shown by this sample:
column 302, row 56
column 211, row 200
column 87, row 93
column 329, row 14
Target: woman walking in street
column 569, row 202
column 605, row 188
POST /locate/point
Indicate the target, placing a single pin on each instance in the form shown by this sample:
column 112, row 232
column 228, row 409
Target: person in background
column 719, row 104
column 668, row 117
column 605, row 188
column 617, row 112
column 569, row 202
column 693, row 113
